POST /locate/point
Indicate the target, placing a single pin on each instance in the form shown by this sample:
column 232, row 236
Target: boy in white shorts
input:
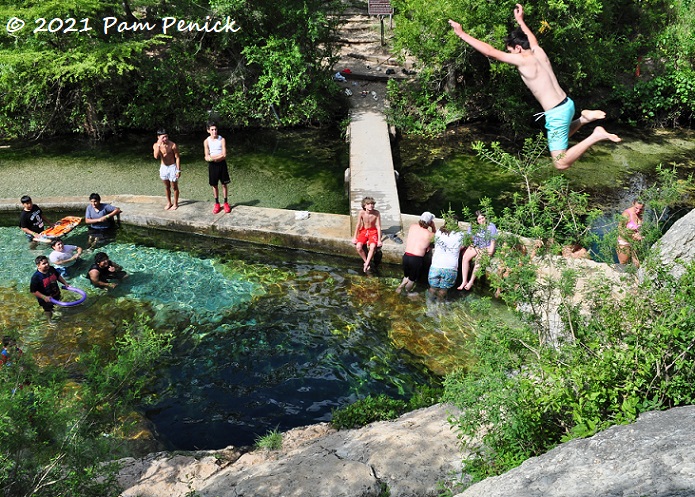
column 170, row 166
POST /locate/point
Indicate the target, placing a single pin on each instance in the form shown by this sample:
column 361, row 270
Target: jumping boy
column 44, row 285
column 169, row 166
column 537, row 73
column 367, row 231
column 216, row 155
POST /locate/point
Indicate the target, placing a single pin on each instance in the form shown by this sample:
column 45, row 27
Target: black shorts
column 47, row 306
column 412, row 266
column 218, row 173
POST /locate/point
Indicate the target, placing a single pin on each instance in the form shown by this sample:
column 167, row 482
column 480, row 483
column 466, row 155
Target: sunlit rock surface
column 655, row 456
column 409, row 456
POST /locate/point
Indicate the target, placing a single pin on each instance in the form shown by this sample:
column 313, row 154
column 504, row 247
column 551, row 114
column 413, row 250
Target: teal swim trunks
column 557, row 122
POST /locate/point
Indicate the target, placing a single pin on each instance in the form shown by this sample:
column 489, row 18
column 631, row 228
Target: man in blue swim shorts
column 448, row 243
column 537, row 73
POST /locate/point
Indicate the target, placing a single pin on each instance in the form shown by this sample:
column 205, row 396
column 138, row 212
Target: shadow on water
column 265, row 338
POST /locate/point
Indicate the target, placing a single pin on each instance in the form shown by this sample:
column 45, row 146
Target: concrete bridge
column 371, row 169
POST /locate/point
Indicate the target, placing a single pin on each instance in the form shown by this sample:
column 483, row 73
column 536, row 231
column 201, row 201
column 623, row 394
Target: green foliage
column 383, row 408
column 628, row 356
column 367, row 410
column 417, row 107
column 550, row 211
column 664, row 93
column 274, row 68
column 270, row 441
column 425, row 396
column 596, row 68
column 55, row 433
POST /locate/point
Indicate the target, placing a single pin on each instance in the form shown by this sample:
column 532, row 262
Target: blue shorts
column 442, row 278
column 557, row 122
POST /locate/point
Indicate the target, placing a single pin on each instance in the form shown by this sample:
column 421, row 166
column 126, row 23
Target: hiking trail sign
column 380, row 8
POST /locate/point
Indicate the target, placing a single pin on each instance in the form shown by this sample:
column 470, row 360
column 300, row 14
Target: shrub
column 270, row 441
column 368, row 410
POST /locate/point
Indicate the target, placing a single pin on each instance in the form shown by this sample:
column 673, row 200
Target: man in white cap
column 417, row 244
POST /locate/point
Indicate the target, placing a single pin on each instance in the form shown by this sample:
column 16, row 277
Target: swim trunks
column 218, row 173
column 412, row 265
column 168, row 173
column 443, row 278
column 368, row 235
column 557, row 122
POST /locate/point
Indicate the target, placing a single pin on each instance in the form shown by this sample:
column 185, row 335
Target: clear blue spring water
column 265, row 339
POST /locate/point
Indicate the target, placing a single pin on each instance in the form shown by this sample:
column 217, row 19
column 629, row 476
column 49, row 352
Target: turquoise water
column 264, row 339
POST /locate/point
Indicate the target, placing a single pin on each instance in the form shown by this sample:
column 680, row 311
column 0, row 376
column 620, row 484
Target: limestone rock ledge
column 655, row 457
column 410, row 456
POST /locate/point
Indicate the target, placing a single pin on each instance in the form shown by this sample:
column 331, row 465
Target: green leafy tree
column 56, row 433
column 271, row 69
column 591, row 67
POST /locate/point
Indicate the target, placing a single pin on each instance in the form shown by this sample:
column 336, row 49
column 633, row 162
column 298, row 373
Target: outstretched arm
column 519, row 16
column 484, row 48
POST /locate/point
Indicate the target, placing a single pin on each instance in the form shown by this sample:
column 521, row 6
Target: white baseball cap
column 427, row 217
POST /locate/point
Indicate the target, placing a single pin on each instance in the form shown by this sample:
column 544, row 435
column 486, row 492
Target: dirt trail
column 365, row 62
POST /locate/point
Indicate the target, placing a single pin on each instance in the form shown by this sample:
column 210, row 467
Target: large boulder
column 655, row 456
column 676, row 246
column 409, row 457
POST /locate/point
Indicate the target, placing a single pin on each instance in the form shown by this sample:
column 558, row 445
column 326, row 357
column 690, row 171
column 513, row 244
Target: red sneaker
column 216, row 209
column 227, row 208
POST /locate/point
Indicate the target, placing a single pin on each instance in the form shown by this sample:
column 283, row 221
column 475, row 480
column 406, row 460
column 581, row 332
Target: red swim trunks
column 368, row 235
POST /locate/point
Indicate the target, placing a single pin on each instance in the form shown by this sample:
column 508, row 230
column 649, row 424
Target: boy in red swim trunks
column 367, row 230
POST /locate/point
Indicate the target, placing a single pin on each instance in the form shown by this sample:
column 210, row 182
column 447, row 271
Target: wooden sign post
column 381, row 8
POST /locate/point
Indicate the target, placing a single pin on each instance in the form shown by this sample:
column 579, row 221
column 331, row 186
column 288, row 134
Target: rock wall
column 409, row 457
column 677, row 246
column 655, row 457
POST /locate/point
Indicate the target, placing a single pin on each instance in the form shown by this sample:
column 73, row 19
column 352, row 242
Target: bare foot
column 468, row 286
column 602, row 134
column 589, row 116
column 174, row 207
column 366, row 268
column 463, row 284
column 399, row 289
column 167, row 207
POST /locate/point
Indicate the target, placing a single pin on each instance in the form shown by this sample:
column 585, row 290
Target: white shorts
column 168, row 173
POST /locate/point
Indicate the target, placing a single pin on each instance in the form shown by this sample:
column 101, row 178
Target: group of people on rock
column 54, row 268
column 448, row 248
column 102, row 219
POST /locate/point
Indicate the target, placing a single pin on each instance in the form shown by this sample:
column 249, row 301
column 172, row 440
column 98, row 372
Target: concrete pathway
column 371, row 169
column 321, row 233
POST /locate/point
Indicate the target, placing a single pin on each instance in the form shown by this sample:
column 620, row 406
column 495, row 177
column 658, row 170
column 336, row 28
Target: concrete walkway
column 371, row 169
column 321, row 233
